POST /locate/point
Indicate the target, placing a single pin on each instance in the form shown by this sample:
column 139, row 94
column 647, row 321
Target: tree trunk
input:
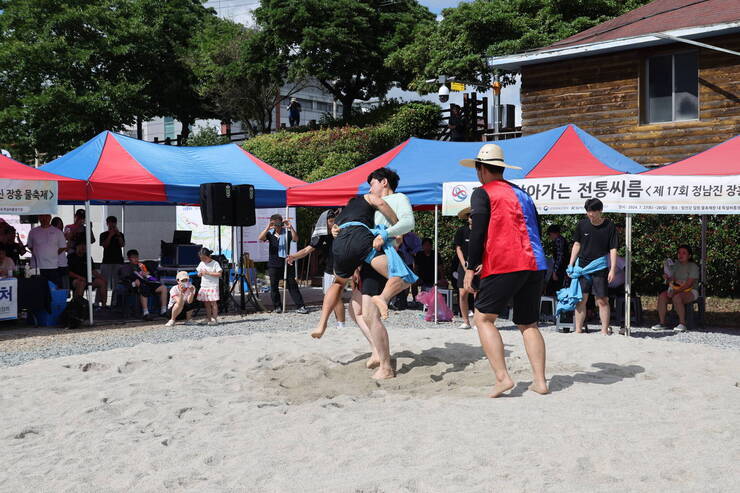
column 347, row 108
column 139, row 128
column 185, row 132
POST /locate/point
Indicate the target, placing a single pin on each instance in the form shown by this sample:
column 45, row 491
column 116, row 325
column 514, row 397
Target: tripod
column 241, row 277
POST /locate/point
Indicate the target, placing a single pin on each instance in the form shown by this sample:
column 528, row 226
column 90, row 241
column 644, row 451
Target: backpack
column 75, row 314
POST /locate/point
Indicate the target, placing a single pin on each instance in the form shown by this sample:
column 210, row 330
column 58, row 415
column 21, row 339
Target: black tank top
column 357, row 209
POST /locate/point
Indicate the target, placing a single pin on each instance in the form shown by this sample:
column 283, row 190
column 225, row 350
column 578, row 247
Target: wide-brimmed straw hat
column 463, row 214
column 489, row 154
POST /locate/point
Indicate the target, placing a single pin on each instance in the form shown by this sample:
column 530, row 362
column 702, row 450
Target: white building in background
column 315, row 101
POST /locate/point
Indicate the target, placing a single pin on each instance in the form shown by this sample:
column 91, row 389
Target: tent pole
column 628, row 277
column 123, row 219
column 88, row 241
column 436, row 256
column 285, row 263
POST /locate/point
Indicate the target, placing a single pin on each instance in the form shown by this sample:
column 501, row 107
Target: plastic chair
column 550, row 315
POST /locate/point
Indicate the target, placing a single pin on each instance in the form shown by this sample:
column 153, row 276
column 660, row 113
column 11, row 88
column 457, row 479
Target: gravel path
column 19, row 346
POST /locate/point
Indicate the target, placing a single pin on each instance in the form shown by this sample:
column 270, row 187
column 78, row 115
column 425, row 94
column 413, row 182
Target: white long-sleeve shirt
column 402, row 207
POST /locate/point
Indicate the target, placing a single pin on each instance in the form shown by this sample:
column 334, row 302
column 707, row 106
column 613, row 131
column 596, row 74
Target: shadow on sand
column 607, row 374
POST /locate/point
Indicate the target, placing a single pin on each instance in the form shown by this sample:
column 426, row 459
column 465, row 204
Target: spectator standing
column 462, row 240
column 595, row 238
column 209, row 271
column 63, row 270
column 112, row 242
column 182, row 300
column 559, row 259
column 410, row 246
column 11, row 242
column 78, row 274
column 75, row 232
column 46, row 243
column 424, row 264
column 279, row 234
column 294, row 112
column 681, row 278
column 456, row 124
column 322, row 240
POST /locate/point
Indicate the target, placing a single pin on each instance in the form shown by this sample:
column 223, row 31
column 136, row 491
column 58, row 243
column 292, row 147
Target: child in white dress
column 209, row 271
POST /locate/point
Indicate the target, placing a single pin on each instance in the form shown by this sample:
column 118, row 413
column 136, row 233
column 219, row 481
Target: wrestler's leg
column 331, row 297
column 394, row 285
column 380, row 339
column 355, row 312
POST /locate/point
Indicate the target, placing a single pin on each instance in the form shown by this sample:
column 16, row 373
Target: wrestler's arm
column 405, row 216
column 383, row 207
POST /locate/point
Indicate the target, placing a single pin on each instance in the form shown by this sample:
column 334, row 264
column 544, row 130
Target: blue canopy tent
column 424, row 165
column 120, row 169
column 123, row 170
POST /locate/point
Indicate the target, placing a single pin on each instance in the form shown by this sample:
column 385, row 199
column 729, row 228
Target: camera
column 444, row 93
column 278, row 224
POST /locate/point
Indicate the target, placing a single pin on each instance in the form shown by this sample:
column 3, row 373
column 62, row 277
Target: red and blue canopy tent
column 424, row 165
column 70, row 188
column 120, row 169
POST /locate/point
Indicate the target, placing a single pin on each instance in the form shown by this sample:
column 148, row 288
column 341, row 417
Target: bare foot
column 501, row 387
column 373, row 362
column 579, row 331
column 382, row 307
column 540, row 389
column 318, row 332
column 384, row 374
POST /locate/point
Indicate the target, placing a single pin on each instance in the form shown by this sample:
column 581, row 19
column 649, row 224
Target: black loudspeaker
column 216, row 204
column 243, row 196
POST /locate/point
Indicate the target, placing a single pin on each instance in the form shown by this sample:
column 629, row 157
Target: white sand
column 282, row 412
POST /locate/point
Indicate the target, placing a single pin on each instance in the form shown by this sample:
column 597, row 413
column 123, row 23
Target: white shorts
column 327, row 282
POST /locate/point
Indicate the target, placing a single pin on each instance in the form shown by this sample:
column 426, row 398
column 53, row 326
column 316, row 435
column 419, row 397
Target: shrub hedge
column 654, row 238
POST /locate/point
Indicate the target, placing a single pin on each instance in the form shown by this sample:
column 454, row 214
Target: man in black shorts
column 505, row 248
column 595, row 237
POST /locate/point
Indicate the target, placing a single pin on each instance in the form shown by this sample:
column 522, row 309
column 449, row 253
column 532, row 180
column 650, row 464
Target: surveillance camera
column 444, row 93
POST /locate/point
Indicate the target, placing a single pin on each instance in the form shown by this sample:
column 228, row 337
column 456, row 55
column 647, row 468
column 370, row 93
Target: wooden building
column 640, row 82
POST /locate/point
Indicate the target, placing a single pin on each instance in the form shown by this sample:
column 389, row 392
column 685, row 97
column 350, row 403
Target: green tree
column 206, row 136
column 344, row 44
column 459, row 44
column 170, row 83
column 240, row 72
column 65, row 72
column 72, row 69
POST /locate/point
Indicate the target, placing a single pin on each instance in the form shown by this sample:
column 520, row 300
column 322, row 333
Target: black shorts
column 371, row 283
column 523, row 287
column 598, row 285
column 350, row 249
column 147, row 289
column 461, row 279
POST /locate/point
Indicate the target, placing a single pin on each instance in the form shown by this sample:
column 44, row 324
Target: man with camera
column 279, row 234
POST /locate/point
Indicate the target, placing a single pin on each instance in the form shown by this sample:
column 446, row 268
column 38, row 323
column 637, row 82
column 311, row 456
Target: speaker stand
column 241, row 277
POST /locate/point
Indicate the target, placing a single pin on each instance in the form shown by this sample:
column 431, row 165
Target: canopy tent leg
column 628, row 276
column 285, row 266
column 436, row 257
column 88, row 241
column 123, row 219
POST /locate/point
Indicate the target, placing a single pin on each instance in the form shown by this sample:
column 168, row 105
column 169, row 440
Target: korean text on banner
column 28, row 197
column 638, row 194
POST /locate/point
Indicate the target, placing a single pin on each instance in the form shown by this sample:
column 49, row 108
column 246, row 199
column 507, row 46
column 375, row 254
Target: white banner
column 638, row 194
column 28, row 197
column 189, row 218
column 8, row 298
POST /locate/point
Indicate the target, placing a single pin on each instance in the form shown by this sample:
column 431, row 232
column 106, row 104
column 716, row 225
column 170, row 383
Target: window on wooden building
column 672, row 89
